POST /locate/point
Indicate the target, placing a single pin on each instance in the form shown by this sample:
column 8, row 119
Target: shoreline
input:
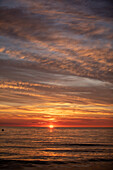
column 54, row 165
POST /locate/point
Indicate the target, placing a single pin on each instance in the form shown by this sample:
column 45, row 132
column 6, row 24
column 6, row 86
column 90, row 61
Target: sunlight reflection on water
column 60, row 144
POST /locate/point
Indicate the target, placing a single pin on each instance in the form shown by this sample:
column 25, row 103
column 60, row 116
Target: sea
column 65, row 145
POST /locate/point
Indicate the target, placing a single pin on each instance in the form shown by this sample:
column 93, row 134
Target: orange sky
column 55, row 65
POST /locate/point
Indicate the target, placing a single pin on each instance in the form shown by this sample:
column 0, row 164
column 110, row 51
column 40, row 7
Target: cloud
column 58, row 56
column 58, row 40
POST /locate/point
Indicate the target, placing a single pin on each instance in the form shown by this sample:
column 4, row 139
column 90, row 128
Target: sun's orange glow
column 51, row 126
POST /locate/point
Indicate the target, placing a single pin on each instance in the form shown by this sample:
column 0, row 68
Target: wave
column 78, row 150
column 28, row 147
column 84, row 144
column 4, row 161
column 53, row 145
column 100, row 160
column 75, row 144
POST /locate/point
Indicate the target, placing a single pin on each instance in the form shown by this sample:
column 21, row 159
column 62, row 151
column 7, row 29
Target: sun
column 51, row 126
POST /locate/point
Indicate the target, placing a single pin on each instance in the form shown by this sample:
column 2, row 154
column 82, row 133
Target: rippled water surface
column 58, row 144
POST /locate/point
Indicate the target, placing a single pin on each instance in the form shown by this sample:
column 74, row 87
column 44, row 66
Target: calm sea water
column 59, row 144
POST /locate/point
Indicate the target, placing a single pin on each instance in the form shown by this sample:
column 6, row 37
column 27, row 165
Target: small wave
column 78, row 150
column 82, row 144
column 100, row 160
column 4, row 161
column 87, row 144
column 23, row 147
column 55, row 145
column 72, row 144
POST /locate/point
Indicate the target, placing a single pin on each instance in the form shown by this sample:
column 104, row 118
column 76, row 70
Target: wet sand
column 41, row 165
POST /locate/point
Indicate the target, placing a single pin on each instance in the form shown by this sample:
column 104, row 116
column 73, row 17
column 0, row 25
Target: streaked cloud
column 56, row 62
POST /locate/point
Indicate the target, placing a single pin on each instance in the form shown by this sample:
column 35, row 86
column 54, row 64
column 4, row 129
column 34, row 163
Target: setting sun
column 51, row 126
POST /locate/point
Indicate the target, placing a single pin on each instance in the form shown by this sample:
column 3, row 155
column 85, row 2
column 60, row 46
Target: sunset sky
column 56, row 61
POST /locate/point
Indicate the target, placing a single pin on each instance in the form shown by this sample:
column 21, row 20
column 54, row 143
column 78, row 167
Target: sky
column 56, row 63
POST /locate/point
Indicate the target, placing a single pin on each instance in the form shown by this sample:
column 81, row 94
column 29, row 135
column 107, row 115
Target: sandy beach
column 41, row 165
